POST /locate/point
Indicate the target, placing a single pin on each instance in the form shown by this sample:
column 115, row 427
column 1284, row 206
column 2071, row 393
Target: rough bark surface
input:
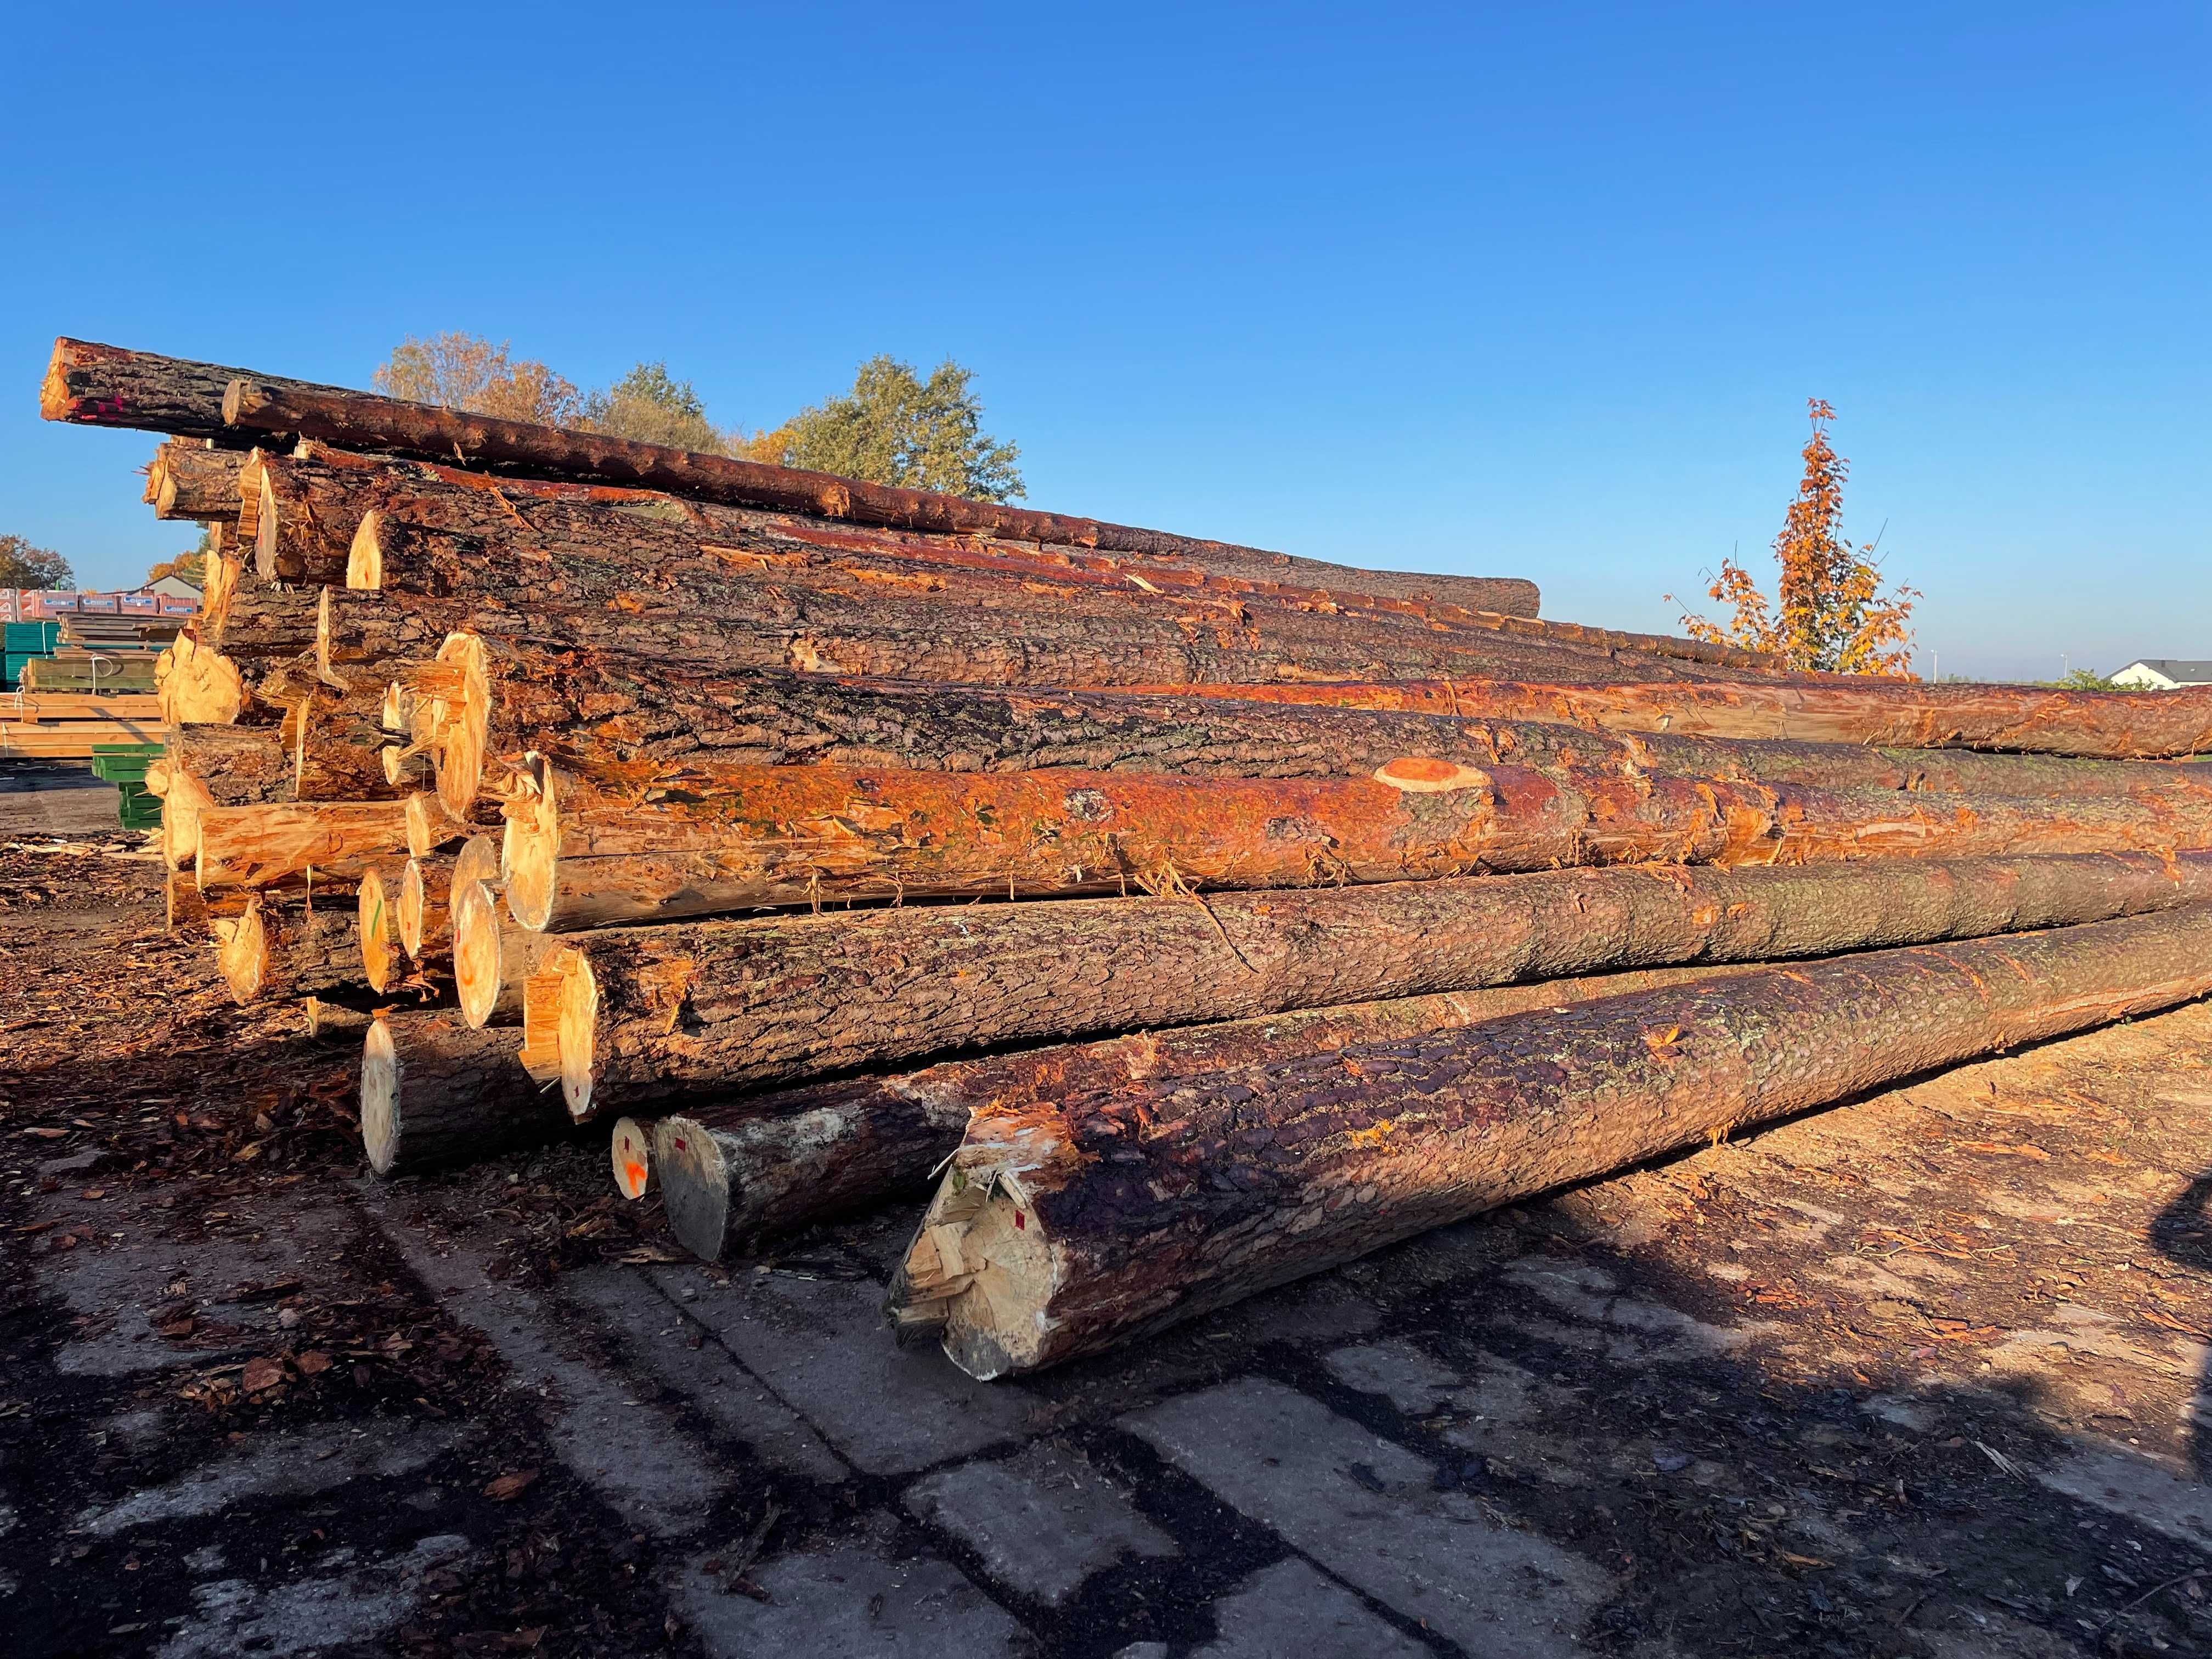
column 362, row 421
column 188, row 480
column 577, row 855
column 686, row 1009
column 2096, row 724
column 279, row 948
column 211, row 766
column 432, row 1091
column 1068, row 1225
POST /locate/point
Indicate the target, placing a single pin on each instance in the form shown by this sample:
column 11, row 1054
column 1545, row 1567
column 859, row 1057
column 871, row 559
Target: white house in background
column 2163, row 674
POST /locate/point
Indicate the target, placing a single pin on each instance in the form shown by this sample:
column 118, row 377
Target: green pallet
column 36, row 638
column 124, row 763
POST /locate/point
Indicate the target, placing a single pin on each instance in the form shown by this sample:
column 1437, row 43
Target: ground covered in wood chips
column 1923, row 1376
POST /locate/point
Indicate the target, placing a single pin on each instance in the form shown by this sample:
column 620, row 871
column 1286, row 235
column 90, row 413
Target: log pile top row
column 1294, row 907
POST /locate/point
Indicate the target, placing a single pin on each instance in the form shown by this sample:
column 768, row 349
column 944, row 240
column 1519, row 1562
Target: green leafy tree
column 468, row 372
column 2080, row 679
column 894, row 427
column 653, row 407
column 22, row 565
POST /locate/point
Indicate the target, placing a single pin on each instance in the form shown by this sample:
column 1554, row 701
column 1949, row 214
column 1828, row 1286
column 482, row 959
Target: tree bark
column 280, row 948
column 660, row 1015
column 361, row 421
column 578, row 854
column 91, row 384
column 188, row 480
column 1070, row 1224
column 493, row 957
column 276, row 844
column 1899, row 713
column 211, row 766
column 432, row 1093
column 731, row 1170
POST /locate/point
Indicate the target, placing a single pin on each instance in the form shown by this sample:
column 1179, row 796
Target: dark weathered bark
column 580, row 855
column 362, row 421
column 208, row 766
column 432, row 1093
column 1073, row 1222
column 91, row 384
column 289, row 947
column 188, row 480
column 276, row 844
column 731, row 1170
column 338, row 731
column 1901, row 714
column 664, row 1014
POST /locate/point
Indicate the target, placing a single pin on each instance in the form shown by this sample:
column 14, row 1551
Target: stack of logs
column 1242, row 914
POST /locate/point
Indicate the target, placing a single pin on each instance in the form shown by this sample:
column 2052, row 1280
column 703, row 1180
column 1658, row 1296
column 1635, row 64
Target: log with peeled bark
column 637, row 721
column 279, row 844
column 425, row 899
column 376, row 921
column 432, row 1091
column 188, row 480
column 578, row 855
column 656, row 1016
column 212, row 766
column 363, row 421
column 288, row 947
column 1899, row 713
column 731, row 1170
column 1069, row 1223
column 495, row 955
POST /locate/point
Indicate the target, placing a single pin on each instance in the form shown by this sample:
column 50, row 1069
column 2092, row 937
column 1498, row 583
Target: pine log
column 188, row 480
column 433, row 1093
column 339, row 737
column 273, row 845
column 377, row 923
column 261, row 622
column 91, row 384
column 578, row 855
column 283, row 948
column 732, row 1170
column 196, row 685
column 631, row 1151
column 624, row 719
column 425, row 899
column 658, row 1016
column 1899, row 713
column 1071, row 1223
column 362, row 421
column 191, row 911
column 212, row 766
column 495, row 955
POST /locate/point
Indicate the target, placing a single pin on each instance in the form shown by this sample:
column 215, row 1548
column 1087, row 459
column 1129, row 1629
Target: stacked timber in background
column 1208, row 916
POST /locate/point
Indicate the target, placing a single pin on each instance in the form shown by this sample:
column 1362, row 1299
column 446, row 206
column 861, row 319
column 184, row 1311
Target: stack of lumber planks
column 1191, row 917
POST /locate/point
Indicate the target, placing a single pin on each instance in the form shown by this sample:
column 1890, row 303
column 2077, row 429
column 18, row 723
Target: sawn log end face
column 694, row 1185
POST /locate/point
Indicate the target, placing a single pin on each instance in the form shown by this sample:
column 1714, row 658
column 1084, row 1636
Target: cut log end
column 365, row 557
column 242, row 952
column 379, row 932
column 542, row 995
column 978, row 1277
column 264, row 528
column 630, row 1152
column 466, row 724
column 476, row 951
column 579, row 1021
column 694, row 1185
column 379, row 1096
column 529, row 847
column 197, row 686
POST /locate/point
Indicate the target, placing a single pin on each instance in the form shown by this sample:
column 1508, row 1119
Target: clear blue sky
column 1537, row 291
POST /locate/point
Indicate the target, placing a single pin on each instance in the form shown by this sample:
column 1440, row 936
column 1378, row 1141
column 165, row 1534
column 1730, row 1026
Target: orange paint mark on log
column 1421, row 775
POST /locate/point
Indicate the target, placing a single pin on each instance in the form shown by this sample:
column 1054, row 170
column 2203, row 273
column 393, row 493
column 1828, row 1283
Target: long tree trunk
column 661, row 1015
column 432, row 1091
column 1901, row 714
column 289, row 947
column 1070, row 1223
column 733, row 1170
column 638, row 721
column 579, row 856
column 188, row 480
column 212, row 766
column 362, row 421
column 277, row 844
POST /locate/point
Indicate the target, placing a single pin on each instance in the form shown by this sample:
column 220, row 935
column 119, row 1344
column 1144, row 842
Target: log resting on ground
column 658, row 1016
column 630, row 1152
column 433, row 1091
column 288, row 947
column 577, row 855
column 1898, row 713
column 1069, row 1224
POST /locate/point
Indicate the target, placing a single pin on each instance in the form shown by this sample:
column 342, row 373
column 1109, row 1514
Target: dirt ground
column 1921, row 1376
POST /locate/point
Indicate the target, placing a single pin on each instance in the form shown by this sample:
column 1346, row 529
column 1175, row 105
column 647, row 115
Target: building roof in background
column 2180, row 669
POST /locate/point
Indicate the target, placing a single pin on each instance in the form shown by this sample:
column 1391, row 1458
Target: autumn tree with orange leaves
column 1832, row 615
